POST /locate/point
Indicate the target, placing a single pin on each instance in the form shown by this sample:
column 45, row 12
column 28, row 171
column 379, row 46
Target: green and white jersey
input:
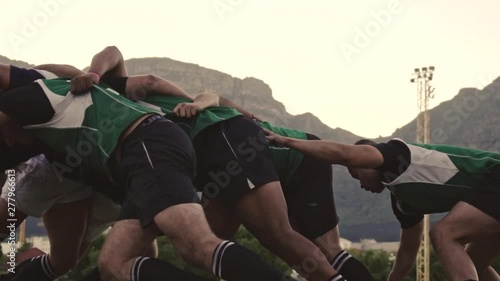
column 286, row 160
column 434, row 177
column 193, row 126
column 86, row 127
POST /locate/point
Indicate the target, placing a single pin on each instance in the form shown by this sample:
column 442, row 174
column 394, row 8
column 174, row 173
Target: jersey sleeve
column 396, row 159
column 28, row 105
column 119, row 84
column 406, row 221
column 21, row 77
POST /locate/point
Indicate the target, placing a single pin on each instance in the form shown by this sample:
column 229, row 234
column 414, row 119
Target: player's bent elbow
column 112, row 49
column 150, row 82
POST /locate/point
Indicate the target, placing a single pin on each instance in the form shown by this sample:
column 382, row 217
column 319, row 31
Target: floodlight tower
column 22, row 233
column 422, row 77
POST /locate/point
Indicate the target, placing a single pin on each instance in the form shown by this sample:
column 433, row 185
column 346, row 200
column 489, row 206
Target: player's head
column 368, row 178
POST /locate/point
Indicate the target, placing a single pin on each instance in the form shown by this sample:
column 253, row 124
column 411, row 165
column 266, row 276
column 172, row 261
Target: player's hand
column 275, row 138
column 83, row 83
column 187, row 109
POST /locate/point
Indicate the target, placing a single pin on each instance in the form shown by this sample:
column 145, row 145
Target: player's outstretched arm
column 139, row 87
column 407, row 252
column 201, row 102
column 60, row 70
column 355, row 156
column 109, row 63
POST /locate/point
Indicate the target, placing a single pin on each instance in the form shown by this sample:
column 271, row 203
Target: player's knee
column 434, row 235
column 440, row 233
column 107, row 263
column 112, row 267
column 276, row 234
column 198, row 252
column 331, row 251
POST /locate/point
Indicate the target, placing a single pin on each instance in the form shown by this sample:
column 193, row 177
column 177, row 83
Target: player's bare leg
column 463, row 224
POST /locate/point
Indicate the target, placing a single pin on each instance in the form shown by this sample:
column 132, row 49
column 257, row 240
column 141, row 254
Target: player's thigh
column 66, row 225
column 221, row 218
column 126, row 240
column 264, row 212
column 477, row 214
column 188, row 230
column 184, row 224
column 465, row 223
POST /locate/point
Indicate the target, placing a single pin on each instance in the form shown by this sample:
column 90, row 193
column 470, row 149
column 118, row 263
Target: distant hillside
column 18, row 63
column 472, row 118
column 251, row 93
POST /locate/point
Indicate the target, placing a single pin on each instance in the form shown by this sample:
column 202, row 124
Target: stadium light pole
column 422, row 77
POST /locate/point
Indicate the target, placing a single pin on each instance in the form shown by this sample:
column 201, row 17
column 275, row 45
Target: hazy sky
column 347, row 62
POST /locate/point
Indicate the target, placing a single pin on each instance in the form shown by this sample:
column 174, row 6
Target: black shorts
column 233, row 157
column 486, row 196
column 309, row 196
column 158, row 160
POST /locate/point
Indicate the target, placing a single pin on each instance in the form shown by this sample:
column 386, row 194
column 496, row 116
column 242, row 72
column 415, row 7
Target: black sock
column 147, row 269
column 233, row 262
column 338, row 277
column 38, row 269
column 93, row 275
column 350, row 267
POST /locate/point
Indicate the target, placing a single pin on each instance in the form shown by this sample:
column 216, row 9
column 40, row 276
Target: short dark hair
column 365, row 142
